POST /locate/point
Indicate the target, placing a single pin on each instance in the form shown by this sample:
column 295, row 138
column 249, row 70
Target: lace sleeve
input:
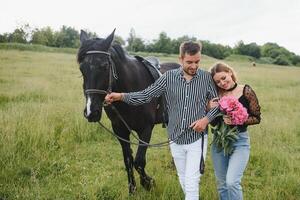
column 254, row 107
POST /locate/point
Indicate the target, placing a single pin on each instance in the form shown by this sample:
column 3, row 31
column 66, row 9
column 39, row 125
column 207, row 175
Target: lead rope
column 202, row 164
column 142, row 143
column 162, row 144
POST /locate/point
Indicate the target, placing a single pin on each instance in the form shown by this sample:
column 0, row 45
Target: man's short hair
column 190, row 47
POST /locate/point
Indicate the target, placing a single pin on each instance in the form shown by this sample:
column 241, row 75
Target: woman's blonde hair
column 223, row 67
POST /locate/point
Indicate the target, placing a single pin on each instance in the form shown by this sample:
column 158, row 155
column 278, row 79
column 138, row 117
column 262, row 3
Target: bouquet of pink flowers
column 225, row 135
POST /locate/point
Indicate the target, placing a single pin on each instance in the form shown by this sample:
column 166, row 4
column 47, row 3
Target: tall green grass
column 35, row 47
column 49, row 151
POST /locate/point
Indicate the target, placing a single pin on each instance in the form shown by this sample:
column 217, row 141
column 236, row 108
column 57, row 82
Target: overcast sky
column 219, row 21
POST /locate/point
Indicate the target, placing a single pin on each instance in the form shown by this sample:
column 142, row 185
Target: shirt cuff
column 212, row 114
column 126, row 98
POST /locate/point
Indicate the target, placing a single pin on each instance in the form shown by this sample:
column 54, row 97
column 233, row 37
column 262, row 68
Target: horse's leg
column 128, row 159
column 140, row 160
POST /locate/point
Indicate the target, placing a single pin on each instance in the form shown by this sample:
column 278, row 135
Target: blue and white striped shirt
column 186, row 101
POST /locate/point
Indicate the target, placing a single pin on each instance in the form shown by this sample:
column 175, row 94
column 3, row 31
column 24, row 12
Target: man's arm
column 140, row 97
column 201, row 124
column 212, row 93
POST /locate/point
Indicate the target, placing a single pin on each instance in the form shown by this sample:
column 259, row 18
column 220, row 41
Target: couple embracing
column 192, row 102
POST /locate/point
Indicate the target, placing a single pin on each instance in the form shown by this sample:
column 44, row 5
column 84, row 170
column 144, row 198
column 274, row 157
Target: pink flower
column 224, row 135
column 239, row 116
column 232, row 107
column 227, row 103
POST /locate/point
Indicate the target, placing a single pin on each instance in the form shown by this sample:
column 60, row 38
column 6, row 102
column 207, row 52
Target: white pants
column 187, row 161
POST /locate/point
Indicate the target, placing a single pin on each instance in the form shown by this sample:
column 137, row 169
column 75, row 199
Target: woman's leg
column 220, row 163
column 236, row 167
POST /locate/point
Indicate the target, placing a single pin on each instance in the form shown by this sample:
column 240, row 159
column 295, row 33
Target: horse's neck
column 119, row 63
column 129, row 71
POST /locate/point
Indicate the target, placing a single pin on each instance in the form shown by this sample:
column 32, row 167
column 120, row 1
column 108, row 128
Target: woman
column 229, row 169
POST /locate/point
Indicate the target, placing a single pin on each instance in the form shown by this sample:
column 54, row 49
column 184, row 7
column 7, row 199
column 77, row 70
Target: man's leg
column 192, row 172
column 179, row 157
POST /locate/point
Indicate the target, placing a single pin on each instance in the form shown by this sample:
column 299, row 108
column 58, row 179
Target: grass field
column 49, row 151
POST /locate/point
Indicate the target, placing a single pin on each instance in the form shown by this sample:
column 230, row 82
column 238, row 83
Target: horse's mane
column 118, row 51
column 88, row 45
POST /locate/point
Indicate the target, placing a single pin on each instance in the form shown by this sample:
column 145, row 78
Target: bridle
column 113, row 76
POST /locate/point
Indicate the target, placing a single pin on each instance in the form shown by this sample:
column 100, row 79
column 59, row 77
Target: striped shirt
column 186, row 101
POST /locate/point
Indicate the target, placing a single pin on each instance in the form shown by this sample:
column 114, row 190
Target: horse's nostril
column 97, row 113
column 94, row 116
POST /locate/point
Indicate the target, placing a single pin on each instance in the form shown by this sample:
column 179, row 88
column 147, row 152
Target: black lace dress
column 250, row 102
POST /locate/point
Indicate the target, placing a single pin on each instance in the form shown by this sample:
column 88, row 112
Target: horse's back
column 168, row 66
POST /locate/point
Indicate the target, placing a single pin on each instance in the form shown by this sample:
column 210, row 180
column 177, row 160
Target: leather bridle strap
column 112, row 74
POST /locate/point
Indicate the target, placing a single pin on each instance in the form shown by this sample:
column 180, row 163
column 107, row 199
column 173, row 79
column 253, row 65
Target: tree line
column 67, row 36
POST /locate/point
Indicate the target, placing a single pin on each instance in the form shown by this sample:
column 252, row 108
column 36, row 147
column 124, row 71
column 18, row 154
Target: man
column 187, row 91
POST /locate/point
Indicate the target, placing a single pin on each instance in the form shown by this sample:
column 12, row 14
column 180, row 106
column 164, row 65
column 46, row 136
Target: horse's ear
column 83, row 36
column 109, row 39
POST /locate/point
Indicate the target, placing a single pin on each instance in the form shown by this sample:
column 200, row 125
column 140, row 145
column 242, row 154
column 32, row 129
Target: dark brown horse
column 105, row 66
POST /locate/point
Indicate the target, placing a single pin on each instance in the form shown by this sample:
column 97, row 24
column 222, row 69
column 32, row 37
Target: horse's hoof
column 148, row 183
column 132, row 189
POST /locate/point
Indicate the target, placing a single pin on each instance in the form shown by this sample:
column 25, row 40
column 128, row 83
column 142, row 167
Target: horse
column 106, row 67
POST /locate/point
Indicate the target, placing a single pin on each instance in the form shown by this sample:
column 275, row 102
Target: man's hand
column 200, row 125
column 109, row 98
column 212, row 103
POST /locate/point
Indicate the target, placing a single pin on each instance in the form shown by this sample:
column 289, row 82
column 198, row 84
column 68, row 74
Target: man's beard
column 188, row 73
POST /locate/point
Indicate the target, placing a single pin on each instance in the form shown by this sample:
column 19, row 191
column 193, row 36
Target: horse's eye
column 87, row 59
column 98, row 59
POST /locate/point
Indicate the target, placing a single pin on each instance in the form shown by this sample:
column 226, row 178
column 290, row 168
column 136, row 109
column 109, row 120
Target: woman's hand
column 227, row 120
column 212, row 103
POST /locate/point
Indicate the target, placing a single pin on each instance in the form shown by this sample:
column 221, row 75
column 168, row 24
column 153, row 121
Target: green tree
column 67, row 37
column 280, row 54
column 18, row 35
column 251, row 49
column 4, row 37
column 135, row 43
column 282, row 60
column 295, row 59
column 118, row 39
column 215, row 50
column 270, row 50
column 163, row 44
column 44, row 36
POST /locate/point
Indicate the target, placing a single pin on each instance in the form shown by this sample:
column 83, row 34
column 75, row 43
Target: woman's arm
column 254, row 107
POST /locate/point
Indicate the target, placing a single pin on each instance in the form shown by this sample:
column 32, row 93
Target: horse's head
column 97, row 71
